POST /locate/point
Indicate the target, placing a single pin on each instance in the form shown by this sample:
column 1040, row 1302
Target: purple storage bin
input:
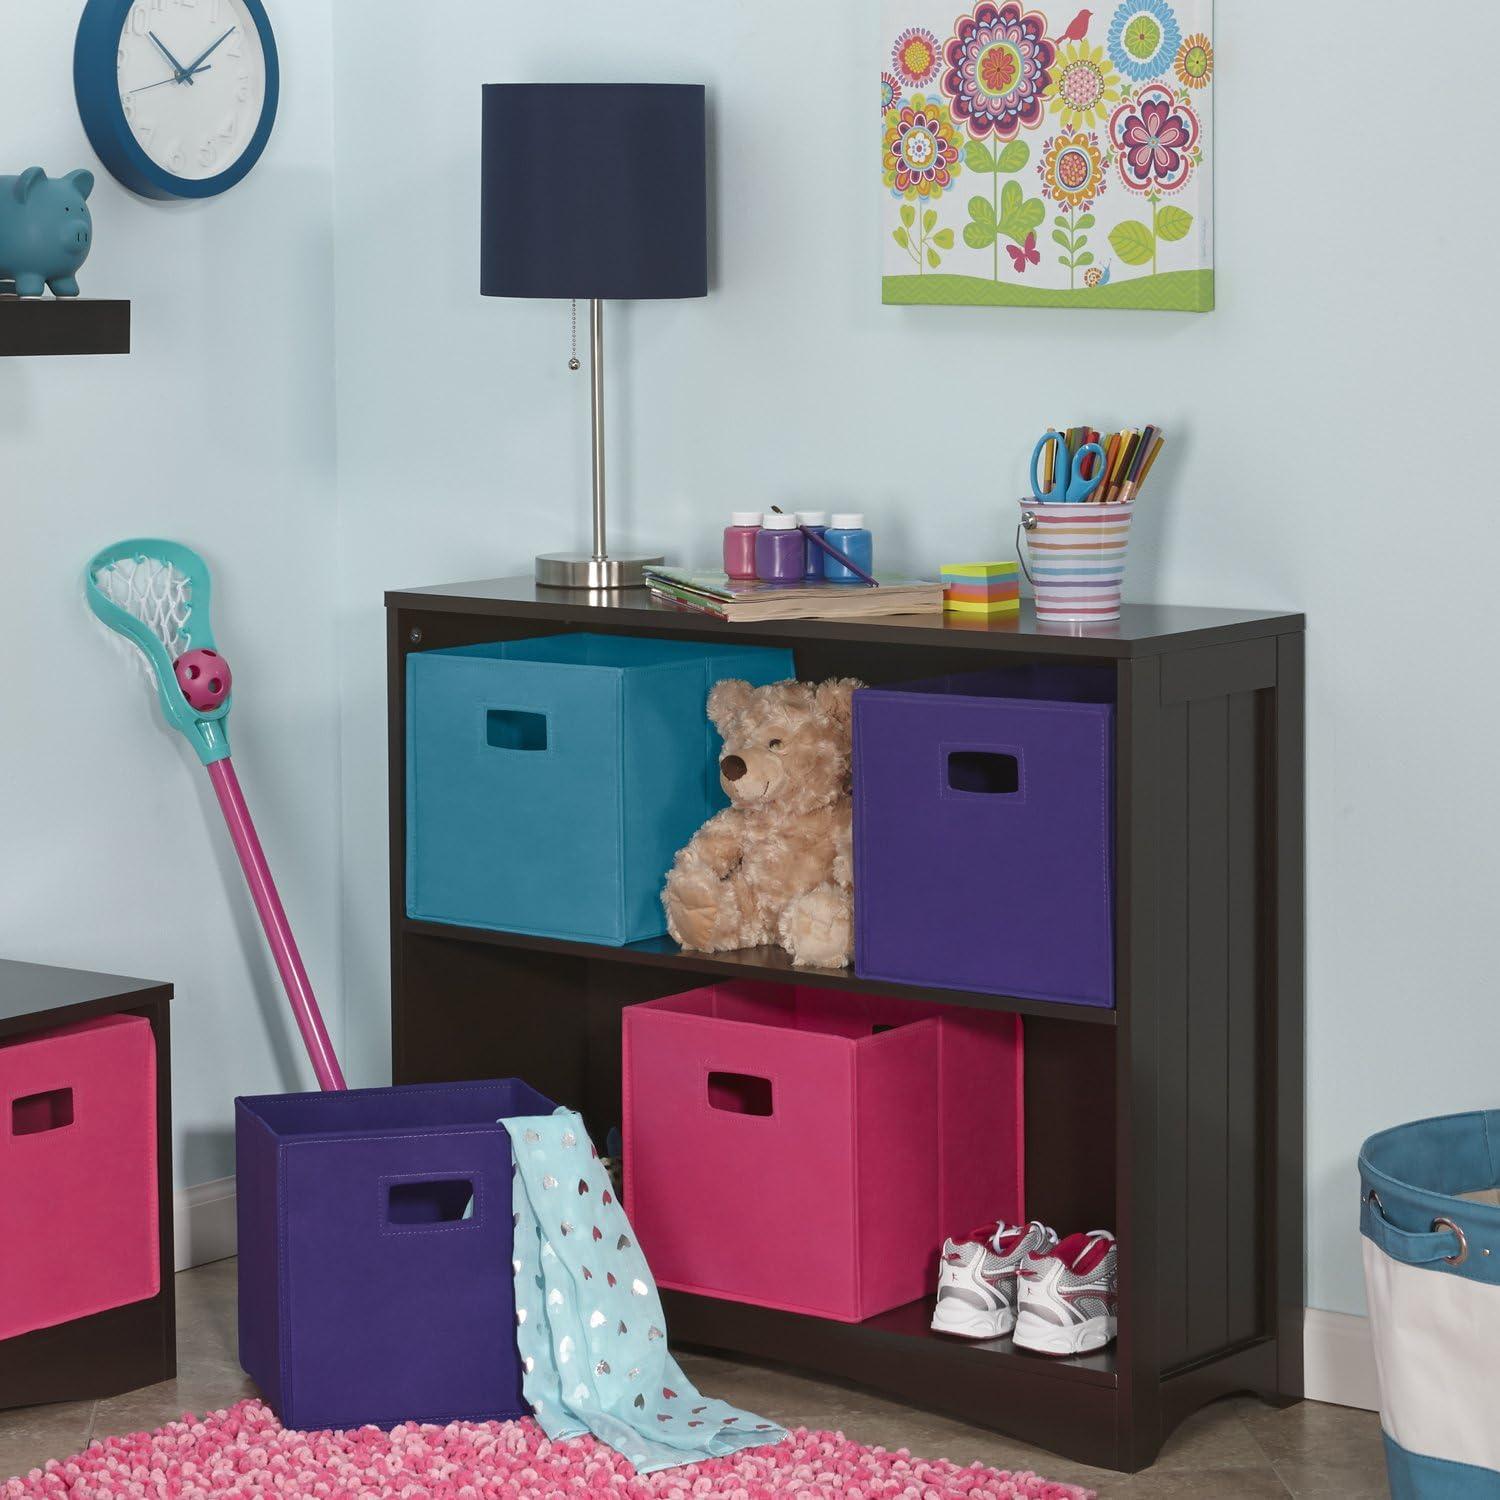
column 983, row 833
column 364, row 1295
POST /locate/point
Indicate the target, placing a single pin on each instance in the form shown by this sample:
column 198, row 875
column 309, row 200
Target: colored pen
column 1161, row 442
column 1128, row 441
column 1133, row 479
column 1110, row 454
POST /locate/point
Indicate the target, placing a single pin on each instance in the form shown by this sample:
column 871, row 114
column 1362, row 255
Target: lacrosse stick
column 156, row 595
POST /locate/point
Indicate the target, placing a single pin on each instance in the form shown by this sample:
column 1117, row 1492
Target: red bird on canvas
column 1078, row 28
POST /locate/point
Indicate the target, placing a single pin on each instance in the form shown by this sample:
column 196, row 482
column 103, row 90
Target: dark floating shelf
column 768, row 965
column 63, row 325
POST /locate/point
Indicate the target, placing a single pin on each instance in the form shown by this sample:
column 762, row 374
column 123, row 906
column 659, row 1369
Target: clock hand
column 189, row 76
column 177, row 67
column 202, row 55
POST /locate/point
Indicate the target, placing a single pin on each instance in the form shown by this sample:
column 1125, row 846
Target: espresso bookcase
column 1175, row 1118
column 122, row 1348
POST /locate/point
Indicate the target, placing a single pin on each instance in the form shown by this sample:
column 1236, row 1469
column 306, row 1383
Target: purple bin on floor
column 365, row 1294
column 983, row 833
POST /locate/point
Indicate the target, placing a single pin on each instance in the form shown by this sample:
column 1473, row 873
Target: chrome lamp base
column 577, row 570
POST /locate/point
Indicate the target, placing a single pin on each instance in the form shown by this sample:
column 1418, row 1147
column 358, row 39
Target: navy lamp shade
column 594, row 190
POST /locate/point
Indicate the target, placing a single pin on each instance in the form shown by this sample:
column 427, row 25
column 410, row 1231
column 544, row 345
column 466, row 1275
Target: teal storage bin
column 551, row 782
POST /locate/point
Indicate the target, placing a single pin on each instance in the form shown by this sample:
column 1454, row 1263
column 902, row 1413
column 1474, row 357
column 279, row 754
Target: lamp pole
column 598, row 569
column 596, row 409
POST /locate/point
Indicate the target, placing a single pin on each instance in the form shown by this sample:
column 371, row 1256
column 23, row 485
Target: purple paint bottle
column 739, row 544
column 780, row 550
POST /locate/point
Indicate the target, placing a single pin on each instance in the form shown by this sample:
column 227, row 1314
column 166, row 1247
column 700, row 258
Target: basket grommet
column 1463, row 1241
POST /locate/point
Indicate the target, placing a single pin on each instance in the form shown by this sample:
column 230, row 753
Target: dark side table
column 126, row 1347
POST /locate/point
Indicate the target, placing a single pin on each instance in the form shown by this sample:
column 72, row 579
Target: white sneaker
column 976, row 1296
column 1069, row 1296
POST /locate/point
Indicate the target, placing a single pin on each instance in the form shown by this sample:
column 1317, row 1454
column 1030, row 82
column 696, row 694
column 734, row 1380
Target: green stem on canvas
column 995, row 180
column 1155, row 241
column 1072, row 249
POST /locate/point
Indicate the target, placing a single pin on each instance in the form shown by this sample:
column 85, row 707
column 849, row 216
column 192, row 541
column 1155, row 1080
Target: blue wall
column 217, row 429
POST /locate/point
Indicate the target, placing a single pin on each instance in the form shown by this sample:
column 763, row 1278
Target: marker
column 1133, row 479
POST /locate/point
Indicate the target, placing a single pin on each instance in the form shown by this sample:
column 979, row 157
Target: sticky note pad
column 992, row 588
column 981, row 570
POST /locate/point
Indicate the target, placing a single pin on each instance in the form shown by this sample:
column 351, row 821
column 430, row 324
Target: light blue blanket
column 592, row 1335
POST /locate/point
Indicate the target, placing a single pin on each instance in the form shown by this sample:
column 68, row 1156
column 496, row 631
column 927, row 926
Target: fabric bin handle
column 1418, row 1249
column 515, row 729
column 41, row 1114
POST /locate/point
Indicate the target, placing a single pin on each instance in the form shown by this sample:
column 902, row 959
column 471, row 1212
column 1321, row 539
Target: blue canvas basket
column 551, row 782
column 1430, row 1217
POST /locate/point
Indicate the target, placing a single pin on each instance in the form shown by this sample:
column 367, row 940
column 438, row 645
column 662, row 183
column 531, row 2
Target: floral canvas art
column 1036, row 159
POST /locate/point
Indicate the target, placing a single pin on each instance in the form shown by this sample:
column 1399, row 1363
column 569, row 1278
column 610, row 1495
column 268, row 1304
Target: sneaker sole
column 970, row 1323
column 1079, row 1338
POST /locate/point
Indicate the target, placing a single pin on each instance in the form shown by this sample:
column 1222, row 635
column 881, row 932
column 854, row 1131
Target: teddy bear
column 776, row 866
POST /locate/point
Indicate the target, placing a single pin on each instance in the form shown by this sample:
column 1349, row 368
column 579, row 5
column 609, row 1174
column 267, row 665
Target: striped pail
column 1430, row 1216
column 1078, row 557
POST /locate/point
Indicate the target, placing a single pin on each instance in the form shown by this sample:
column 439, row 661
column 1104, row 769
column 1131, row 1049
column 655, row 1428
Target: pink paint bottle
column 739, row 544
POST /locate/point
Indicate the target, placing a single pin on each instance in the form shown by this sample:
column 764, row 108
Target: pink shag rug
column 245, row 1452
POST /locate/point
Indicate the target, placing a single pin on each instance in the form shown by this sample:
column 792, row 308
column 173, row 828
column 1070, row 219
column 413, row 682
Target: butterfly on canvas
column 1022, row 255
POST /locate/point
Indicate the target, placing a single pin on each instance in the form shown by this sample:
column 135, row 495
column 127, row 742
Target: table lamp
column 593, row 191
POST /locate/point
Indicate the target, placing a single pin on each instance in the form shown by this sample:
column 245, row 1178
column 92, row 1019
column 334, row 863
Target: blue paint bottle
column 815, row 521
column 848, row 534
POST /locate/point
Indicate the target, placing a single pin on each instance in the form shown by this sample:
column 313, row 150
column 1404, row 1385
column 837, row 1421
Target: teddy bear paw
column 817, row 929
column 703, row 912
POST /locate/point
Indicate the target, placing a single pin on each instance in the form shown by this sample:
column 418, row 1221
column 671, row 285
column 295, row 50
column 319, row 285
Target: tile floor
column 1238, row 1448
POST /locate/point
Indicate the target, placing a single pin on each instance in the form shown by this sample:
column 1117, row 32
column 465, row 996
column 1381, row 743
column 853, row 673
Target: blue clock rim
column 96, row 85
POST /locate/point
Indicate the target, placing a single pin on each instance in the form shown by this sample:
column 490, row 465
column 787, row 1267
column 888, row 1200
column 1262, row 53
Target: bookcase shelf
column 766, row 965
column 63, row 325
column 1187, row 1139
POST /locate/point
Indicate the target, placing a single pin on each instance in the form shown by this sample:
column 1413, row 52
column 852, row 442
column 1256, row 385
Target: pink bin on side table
column 808, row 1149
column 78, row 1169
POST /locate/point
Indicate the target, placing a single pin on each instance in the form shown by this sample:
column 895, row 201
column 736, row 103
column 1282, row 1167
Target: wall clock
column 178, row 96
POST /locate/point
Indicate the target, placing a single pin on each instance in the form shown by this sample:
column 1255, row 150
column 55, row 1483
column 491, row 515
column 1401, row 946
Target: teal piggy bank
column 45, row 231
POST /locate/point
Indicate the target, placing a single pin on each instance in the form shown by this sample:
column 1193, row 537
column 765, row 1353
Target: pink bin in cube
column 78, row 1169
column 809, row 1149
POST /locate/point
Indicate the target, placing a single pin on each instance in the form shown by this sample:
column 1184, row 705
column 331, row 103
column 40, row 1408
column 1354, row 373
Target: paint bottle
column 815, row 521
column 848, row 534
column 780, row 550
column 739, row 544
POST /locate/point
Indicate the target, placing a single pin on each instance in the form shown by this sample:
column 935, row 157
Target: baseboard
column 1339, row 1356
column 1339, row 1360
column 203, row 1218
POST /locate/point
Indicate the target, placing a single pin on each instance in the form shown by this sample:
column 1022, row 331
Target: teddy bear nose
column 731, row 768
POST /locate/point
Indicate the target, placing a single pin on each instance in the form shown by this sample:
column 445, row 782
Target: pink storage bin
column 809, row 1149
column 78, row 1169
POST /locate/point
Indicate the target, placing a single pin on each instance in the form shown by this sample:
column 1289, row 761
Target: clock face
column 191, row 76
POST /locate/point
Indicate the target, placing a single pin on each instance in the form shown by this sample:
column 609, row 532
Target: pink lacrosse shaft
column 278, row 929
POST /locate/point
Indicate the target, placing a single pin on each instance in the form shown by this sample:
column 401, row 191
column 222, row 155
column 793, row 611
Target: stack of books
column 731, row 599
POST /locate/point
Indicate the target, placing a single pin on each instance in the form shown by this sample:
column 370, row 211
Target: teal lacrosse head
column 156, row 594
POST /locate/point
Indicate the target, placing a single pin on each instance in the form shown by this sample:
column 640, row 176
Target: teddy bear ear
column 834, row 699
column 727, row 700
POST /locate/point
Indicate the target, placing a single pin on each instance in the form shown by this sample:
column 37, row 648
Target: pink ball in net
column 204, row 679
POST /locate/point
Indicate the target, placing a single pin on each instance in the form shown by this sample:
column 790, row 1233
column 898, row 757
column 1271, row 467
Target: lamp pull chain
column 574, row 363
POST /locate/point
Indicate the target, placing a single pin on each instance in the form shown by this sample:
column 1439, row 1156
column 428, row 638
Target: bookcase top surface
column 30, row 989
column 1141, row 630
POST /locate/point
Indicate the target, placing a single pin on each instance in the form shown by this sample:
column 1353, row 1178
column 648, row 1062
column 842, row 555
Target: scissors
column 1070, row 486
